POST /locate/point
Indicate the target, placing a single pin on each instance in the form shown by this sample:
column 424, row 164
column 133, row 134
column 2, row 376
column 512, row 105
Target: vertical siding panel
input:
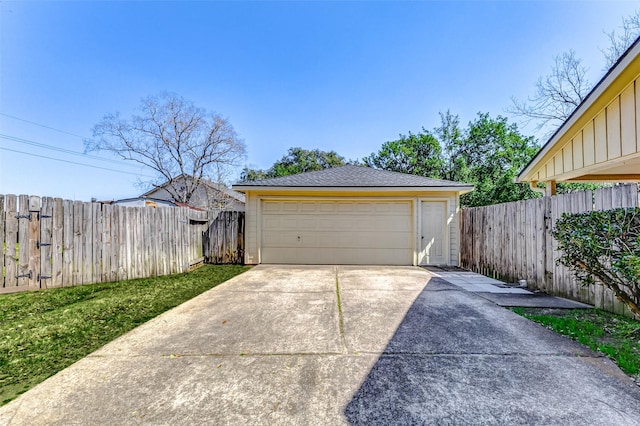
column 588, row 144
column 600, row 129
column 628, row 121
column 613, row 129
column 567, row 157
column 558, row 163
column 637, row 113
column 578, row 160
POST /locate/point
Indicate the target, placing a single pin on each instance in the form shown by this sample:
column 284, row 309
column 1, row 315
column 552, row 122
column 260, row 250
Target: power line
column 73, row 162
column 64, row 150
column 42, row 125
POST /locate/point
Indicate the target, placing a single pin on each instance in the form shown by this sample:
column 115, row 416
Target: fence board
column 57, row 242
column 224, row 241
column 49, row 242
column 67, row 243
column 46, row 238
column 87, row 243
column 11, row 242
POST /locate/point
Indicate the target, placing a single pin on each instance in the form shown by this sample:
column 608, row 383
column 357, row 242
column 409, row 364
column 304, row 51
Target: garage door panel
column 328, row 256
column 349, row 240
column 343, row 232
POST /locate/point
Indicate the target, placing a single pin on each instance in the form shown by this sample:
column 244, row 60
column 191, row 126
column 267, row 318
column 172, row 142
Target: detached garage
column 352, row 215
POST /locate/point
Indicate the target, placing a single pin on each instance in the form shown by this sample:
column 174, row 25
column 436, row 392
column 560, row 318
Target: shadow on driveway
column 459, row 359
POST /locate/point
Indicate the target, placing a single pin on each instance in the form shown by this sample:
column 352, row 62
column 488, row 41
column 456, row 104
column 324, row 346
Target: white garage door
column 337, row 232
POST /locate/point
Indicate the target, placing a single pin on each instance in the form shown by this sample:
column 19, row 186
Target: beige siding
column 613, row 129
column 251, row 230
column 253, row 224
column 628, row 120
column 636, row 85
column 610, row 134
column 567, row 157
column 588, row 144
column 600, row 131
column 578, row 160
column 454, row 231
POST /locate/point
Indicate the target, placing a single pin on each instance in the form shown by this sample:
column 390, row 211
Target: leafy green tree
column 489, row 154
column 417, row 154
column 297, row 160
column 450, row 136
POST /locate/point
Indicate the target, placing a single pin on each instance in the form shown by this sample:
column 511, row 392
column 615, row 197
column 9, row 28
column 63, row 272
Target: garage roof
column 351, row 176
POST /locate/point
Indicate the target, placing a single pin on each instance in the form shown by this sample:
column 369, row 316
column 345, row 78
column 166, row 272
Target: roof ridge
column 351, row 175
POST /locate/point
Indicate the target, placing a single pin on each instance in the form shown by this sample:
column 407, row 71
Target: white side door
column 433, row 241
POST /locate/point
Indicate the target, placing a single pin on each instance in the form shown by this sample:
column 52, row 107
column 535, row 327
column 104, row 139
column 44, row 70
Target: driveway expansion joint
column 343, row 341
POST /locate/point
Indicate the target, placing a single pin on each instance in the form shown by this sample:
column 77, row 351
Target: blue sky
column 343, row 76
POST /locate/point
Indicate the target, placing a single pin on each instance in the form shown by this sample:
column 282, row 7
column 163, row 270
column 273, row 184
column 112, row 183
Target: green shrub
column 603, row 247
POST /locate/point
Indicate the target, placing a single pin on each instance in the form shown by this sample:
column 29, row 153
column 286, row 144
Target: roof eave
column 460, row 189
column 599, row 89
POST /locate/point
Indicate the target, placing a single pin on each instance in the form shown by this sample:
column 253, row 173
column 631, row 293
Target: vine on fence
column 604, row 247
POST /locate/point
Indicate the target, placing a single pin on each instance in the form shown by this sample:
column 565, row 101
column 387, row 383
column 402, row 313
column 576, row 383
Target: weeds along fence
column 50, row 242
column 512, row 241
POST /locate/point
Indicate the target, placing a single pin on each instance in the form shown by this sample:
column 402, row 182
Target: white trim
column 447, row 237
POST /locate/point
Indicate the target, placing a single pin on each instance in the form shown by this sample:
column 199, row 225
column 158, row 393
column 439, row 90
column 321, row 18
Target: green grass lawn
column 614, row 335
column 44, row 332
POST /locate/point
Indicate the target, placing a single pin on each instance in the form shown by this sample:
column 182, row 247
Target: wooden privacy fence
column 49, row 242
column 512, row 241
column 224, row 239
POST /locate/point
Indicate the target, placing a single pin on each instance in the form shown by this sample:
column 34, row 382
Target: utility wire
column 64, row 150
column 73, row 162
column 42, row 125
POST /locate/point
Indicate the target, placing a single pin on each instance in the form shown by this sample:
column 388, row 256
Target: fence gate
column 49, row 242
column 224, row 240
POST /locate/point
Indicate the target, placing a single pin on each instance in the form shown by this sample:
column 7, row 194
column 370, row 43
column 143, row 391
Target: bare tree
column 557, row 95
column 620, row 42
column 173, row 137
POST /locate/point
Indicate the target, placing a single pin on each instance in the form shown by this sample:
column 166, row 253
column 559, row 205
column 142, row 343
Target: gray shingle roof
column 353, row 177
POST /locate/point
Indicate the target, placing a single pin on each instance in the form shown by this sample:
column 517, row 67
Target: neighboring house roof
column 599, row 141
column 355, row 177
column 206, row 183
column 152, row 202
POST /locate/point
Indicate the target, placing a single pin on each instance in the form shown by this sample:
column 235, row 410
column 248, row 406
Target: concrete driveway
column 335, row 345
